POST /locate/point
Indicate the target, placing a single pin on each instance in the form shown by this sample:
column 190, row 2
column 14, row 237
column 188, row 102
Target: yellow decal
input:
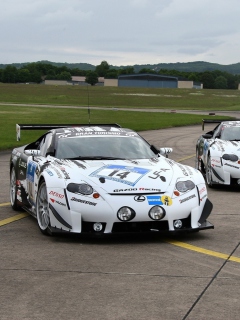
column 166, row 200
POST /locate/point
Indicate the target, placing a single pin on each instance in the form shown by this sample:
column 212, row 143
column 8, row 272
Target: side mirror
column 32, row 152
column 207, row 136
column 165, row 151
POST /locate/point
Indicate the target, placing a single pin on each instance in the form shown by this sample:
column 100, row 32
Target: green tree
column 36, row 76
column 208, row 80
column 78, row 72
column 92, row 78
column 127, row 70
column 220, row 83
column 64, row 76
column 9, row 74
column 111, row 74
column 102, row 69
column 146, row 70
column 51, row 75
column 1, row 75
column 23, row 75
column 193, row 77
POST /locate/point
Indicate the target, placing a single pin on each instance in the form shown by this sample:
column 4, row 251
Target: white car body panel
column 139, row 184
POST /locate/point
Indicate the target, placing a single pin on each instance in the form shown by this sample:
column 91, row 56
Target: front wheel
column 42, row 208
column 197, row 161
column 209, row 172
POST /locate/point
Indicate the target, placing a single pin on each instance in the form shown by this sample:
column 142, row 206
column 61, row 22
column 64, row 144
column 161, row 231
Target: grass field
column 111, row 97
column 188, row 99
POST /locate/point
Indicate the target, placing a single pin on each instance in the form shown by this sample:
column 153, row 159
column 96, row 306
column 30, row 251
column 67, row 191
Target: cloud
column 120, row 32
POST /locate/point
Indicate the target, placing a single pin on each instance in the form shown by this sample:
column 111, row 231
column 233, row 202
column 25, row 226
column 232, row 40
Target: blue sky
column 122, row 32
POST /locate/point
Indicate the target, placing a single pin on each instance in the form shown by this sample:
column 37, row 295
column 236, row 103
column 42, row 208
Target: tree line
column 36, row 72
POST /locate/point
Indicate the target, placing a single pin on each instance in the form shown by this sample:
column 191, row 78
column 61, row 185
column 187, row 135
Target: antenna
column 88, row 106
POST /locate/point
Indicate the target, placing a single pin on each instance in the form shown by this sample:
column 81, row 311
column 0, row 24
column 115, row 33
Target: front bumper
column 148, row 226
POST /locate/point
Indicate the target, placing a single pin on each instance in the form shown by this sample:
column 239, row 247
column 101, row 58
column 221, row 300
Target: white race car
column 105, row 179
column 218, row 153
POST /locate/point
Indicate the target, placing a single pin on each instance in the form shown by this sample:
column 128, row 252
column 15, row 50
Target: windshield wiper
column 95, row 158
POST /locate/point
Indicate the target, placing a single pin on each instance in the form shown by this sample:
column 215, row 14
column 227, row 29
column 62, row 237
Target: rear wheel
column 13, row 190
column 42, row 208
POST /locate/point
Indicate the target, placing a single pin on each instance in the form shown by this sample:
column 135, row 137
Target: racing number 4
column 122, row 175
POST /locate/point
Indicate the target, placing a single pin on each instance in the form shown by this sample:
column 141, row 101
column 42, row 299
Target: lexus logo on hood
column 139, row 198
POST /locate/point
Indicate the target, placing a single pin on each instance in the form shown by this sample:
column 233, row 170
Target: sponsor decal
column 166, row 200
column 155, row 160
column 188, row 198
column 149, row 189
column 159, row 200
column 55, row 194
column 183, row 169
column 205, row 146
column 58, row 202
column 154, row 200
column 171, row 162
column 139, row 198
column 215, row 160
column 58, row 217
column 137, row 189
column 189, row 169
column 203, row 189
column 58, row 163
column 31, row 168
column 57, row 172
column 77, row 163
column 124, row 190
column 98, row 133
column 84, row 201
column 22, row 164
column 203, row 197
column 230, row 165
column 217, row 175
column 157, row 174
column 124, row 174
column 49, row 172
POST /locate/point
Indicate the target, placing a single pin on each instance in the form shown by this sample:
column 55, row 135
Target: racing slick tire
column 42, row 209
column 13, row 190
column 209, row 172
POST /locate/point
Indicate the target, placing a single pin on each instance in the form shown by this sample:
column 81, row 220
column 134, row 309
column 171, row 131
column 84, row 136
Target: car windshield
column 230, row 133
column 121, row 147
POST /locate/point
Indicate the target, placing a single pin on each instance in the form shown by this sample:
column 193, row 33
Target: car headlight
column 231, row 157
column 183, row 186
column 82, row 188
column 126, row 214
column 157, row 213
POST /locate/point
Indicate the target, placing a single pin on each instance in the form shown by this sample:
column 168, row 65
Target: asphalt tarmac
column 191, row 276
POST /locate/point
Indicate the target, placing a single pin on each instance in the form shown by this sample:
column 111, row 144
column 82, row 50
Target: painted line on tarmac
column 186, row 158
column 204, row 251
column 5, row 204
column 13, row 219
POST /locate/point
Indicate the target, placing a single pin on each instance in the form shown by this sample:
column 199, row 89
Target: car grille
column 140, row 226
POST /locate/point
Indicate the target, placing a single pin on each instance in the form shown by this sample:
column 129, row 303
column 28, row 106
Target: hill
column 197, row 66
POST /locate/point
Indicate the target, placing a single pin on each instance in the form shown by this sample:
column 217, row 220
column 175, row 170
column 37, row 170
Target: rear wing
column 215, row 121
column 210, row 121
column 20, row 127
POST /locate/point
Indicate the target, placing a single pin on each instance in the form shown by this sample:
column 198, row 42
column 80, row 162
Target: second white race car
column 218, row 153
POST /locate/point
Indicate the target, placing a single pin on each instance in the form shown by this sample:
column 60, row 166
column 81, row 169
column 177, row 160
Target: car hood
column 153, row 175
column 220, row 147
